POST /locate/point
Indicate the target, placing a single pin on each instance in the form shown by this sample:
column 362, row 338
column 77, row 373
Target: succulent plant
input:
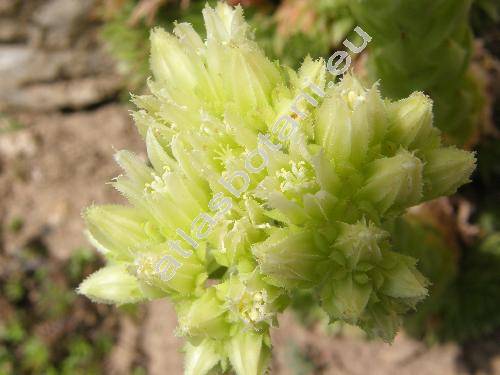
column 261, row 181
column 411, row 51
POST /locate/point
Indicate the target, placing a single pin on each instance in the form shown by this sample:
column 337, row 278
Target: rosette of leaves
column 312, row 216
column 412, row 51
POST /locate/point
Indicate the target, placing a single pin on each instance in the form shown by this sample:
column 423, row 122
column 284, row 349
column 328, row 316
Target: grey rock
column 51, row 57
column 61, row 13
column 73, row 94
column 62, row 20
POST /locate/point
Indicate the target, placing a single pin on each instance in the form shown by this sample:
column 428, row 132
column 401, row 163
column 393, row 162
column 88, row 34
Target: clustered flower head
column 262, row 180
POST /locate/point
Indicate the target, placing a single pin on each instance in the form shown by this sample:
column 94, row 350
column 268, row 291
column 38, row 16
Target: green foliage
column 16, row 225
column 12, row 331
column 35, row 355
column 485, row 13
column 8, row 124
column 41, row 331
column 471, row 309
column 411, row 51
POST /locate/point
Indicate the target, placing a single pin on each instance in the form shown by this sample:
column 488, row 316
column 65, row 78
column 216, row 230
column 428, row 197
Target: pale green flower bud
column 112, row 284
column 412, row 123
column 360, row 242
column 117, row 230
column 292, row 259
column 447, row 169
column 350, row 122
column 136, row 170
column 311, row 71
column 176, row 67
column 334, row 128
column 243, row 66
column 393, row 183
column 249, row 352
column 225, row 24
column 204, row 317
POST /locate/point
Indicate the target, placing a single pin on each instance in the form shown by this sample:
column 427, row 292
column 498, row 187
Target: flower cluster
column 315, row 217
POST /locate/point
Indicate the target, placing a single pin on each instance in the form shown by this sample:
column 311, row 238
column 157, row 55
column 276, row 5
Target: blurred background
column 66, row 70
